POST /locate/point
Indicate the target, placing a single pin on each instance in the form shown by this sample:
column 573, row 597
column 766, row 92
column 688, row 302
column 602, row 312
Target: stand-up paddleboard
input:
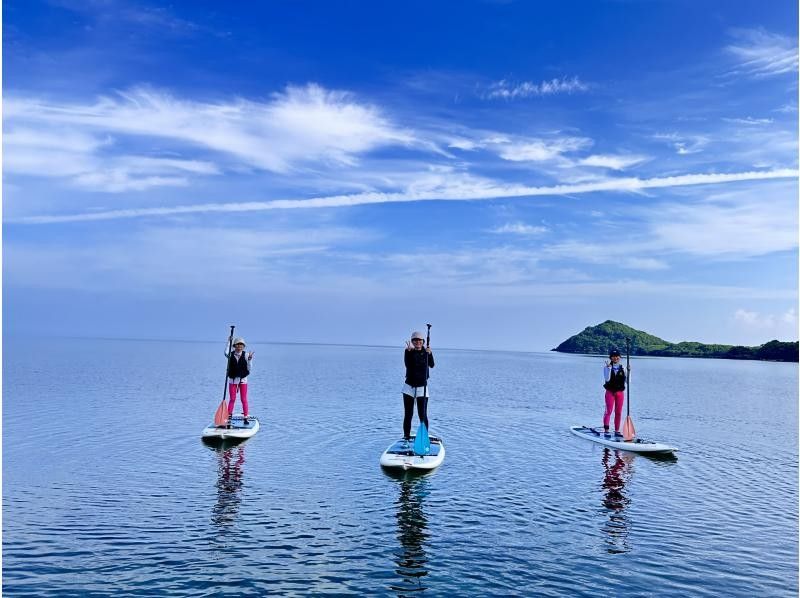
column 238, row 429
column 637, row 445
column 401, row 455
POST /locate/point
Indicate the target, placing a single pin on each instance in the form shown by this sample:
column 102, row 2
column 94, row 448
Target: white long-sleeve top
column 607, row 371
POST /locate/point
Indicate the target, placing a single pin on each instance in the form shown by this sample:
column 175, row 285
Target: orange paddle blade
column 221, row 416
column 628, row 431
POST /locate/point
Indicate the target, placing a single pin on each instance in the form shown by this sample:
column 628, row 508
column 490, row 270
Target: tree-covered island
column 599, row 339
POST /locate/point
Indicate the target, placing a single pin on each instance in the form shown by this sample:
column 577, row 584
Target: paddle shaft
column 628, row 385
column 427, row 369
column 230, row 348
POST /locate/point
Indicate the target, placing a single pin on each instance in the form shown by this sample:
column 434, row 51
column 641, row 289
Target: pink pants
column 232, row 390
column 614, row 401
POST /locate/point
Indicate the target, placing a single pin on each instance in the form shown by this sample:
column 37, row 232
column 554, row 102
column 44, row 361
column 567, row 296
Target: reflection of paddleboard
column 401, row 454
column 238, row 429
column 637, row 445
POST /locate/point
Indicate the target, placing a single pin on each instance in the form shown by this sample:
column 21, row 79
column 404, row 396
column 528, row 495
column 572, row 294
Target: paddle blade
column 628, row 431
column 422, row 443
column 221, row 416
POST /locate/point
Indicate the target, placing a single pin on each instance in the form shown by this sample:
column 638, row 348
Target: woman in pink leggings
column 239, row 364
column 614, row 375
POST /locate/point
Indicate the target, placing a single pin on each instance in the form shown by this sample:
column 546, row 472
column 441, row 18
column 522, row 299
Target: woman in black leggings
column 418, row 359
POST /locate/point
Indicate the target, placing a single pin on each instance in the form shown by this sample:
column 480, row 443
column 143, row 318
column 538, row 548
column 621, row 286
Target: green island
column 599, row 339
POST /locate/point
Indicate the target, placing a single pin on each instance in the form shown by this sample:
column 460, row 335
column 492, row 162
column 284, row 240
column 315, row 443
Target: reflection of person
column 613, row 481
column 239, row 366
column 615, row 500
column 229, row 485
column 614, row 383
column 411, row 531
column 418, row 359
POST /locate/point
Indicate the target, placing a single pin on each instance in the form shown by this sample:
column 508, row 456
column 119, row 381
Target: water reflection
column 618, row 468
column 412, row 524
column 229, row 485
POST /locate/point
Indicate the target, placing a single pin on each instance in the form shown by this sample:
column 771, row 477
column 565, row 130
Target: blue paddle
column 422, row 443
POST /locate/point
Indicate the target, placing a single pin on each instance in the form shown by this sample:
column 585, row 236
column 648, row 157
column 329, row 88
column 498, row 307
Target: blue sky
column 345, row 172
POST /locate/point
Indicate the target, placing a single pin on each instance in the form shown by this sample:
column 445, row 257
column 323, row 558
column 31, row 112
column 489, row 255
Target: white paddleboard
column 238, row 429
column 401, row 455
column 637, row 445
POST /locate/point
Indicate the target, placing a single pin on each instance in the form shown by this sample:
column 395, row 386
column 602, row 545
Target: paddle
column 422, row 443
column 221, row 416
column 628, row 431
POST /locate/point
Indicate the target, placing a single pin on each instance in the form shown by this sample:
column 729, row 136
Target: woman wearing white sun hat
column 418, row 360
column 239, row 366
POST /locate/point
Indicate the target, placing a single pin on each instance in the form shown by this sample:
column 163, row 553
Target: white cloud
column 463, row 144
column 508, row 90
column 767, row 322
column 749, row 120
column 743, row 225
column 684, row 144
column 761, row 54
column 627, row 255
column 63, row 152
column 787, row 109
column 538, row 150
column 519, row 228
column 300, row 126
column 441, row 186
column 613, row 162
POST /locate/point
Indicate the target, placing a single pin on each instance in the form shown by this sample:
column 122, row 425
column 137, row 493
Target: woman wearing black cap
column 418, row 359
column 614, row 375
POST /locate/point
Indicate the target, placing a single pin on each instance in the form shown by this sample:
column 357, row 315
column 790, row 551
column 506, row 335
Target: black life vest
column 417, row 363
column 238, row 368
column 617, row 380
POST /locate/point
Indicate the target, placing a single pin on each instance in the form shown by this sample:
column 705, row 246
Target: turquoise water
column 107, row 488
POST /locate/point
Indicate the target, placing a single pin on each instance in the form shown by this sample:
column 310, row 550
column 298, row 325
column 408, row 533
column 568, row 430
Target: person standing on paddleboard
column 615, row 378
column 418, row 359
column 239, row 365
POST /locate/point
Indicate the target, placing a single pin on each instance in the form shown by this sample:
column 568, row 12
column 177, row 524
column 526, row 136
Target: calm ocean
column 108, row 490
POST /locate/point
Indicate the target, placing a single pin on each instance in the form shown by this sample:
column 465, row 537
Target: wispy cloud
column 519, row 228
column 510, row 90
column 749, row 120
column 449, row 188
column 787, row 109
column 763, row 54
column 78, row 157
column 684, row 144
column 766, row 321
column 518, row 148
column 115, row 13
column 613, row 162
column 627, row 255
column 735, row 225
column 296, row 128
column 537, row 150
